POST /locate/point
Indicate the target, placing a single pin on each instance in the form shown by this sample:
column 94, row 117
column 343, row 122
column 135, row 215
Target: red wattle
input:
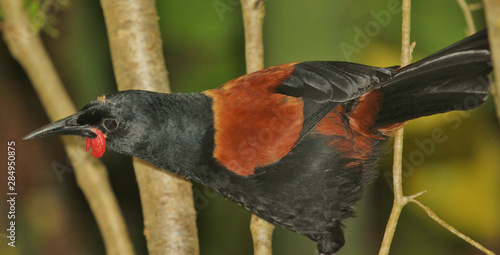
column 97, row 144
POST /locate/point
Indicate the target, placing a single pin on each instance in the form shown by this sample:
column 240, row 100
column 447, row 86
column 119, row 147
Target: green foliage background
column 204, row 47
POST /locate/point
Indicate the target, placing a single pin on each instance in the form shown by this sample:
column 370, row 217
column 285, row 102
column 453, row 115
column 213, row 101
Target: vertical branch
column 399, row 199
column 253, row 18
column 471, row 28
column 26, row 46
column 262, row 234
column 406, row 48
column 492, row 10
column 167, row 199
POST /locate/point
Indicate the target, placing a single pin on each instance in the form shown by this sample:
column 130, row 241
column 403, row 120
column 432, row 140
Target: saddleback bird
column 296, row 143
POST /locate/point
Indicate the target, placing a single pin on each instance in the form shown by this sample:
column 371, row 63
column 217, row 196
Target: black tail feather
column 451, row 79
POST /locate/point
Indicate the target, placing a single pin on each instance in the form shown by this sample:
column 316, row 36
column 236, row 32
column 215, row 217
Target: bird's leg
column 330, row 243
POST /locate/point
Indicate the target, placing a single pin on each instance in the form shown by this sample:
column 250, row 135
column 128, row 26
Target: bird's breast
column 254, row 129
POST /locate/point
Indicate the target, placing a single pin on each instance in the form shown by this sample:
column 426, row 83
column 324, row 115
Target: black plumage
column 297, row 143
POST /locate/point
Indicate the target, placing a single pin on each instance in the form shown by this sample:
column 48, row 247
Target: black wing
column 323, row 85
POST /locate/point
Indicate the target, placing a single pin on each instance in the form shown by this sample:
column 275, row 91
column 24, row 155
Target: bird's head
column 117, row 121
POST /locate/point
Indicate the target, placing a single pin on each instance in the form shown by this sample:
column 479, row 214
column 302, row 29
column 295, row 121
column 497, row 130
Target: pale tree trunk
column 167, row 199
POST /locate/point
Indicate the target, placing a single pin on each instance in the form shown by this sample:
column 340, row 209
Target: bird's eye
column 110, row 124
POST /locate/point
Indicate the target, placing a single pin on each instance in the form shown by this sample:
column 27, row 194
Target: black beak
column 66, row 126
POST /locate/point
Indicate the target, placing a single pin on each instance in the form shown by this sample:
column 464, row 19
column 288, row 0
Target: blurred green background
column 204, row 47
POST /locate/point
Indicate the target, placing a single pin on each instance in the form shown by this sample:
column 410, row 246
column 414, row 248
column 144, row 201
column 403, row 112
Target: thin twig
column 26, row 46
column 399, row 199
column 167, row 199
column 253, row 18
column 471, row 28
column 451, row 228
column 467, row 10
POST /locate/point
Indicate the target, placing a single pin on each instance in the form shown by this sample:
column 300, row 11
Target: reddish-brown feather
column 354, row 133
column 255, row 126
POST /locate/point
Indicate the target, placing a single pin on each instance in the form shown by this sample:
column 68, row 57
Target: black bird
column 296, row 143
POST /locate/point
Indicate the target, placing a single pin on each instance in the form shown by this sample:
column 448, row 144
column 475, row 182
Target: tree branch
column 167, row 199
column 453, row 230
column 492, row 10
column 253, row 19
column 26, row 46
column 399, row 199
column 262, row 235
column 466, row 9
